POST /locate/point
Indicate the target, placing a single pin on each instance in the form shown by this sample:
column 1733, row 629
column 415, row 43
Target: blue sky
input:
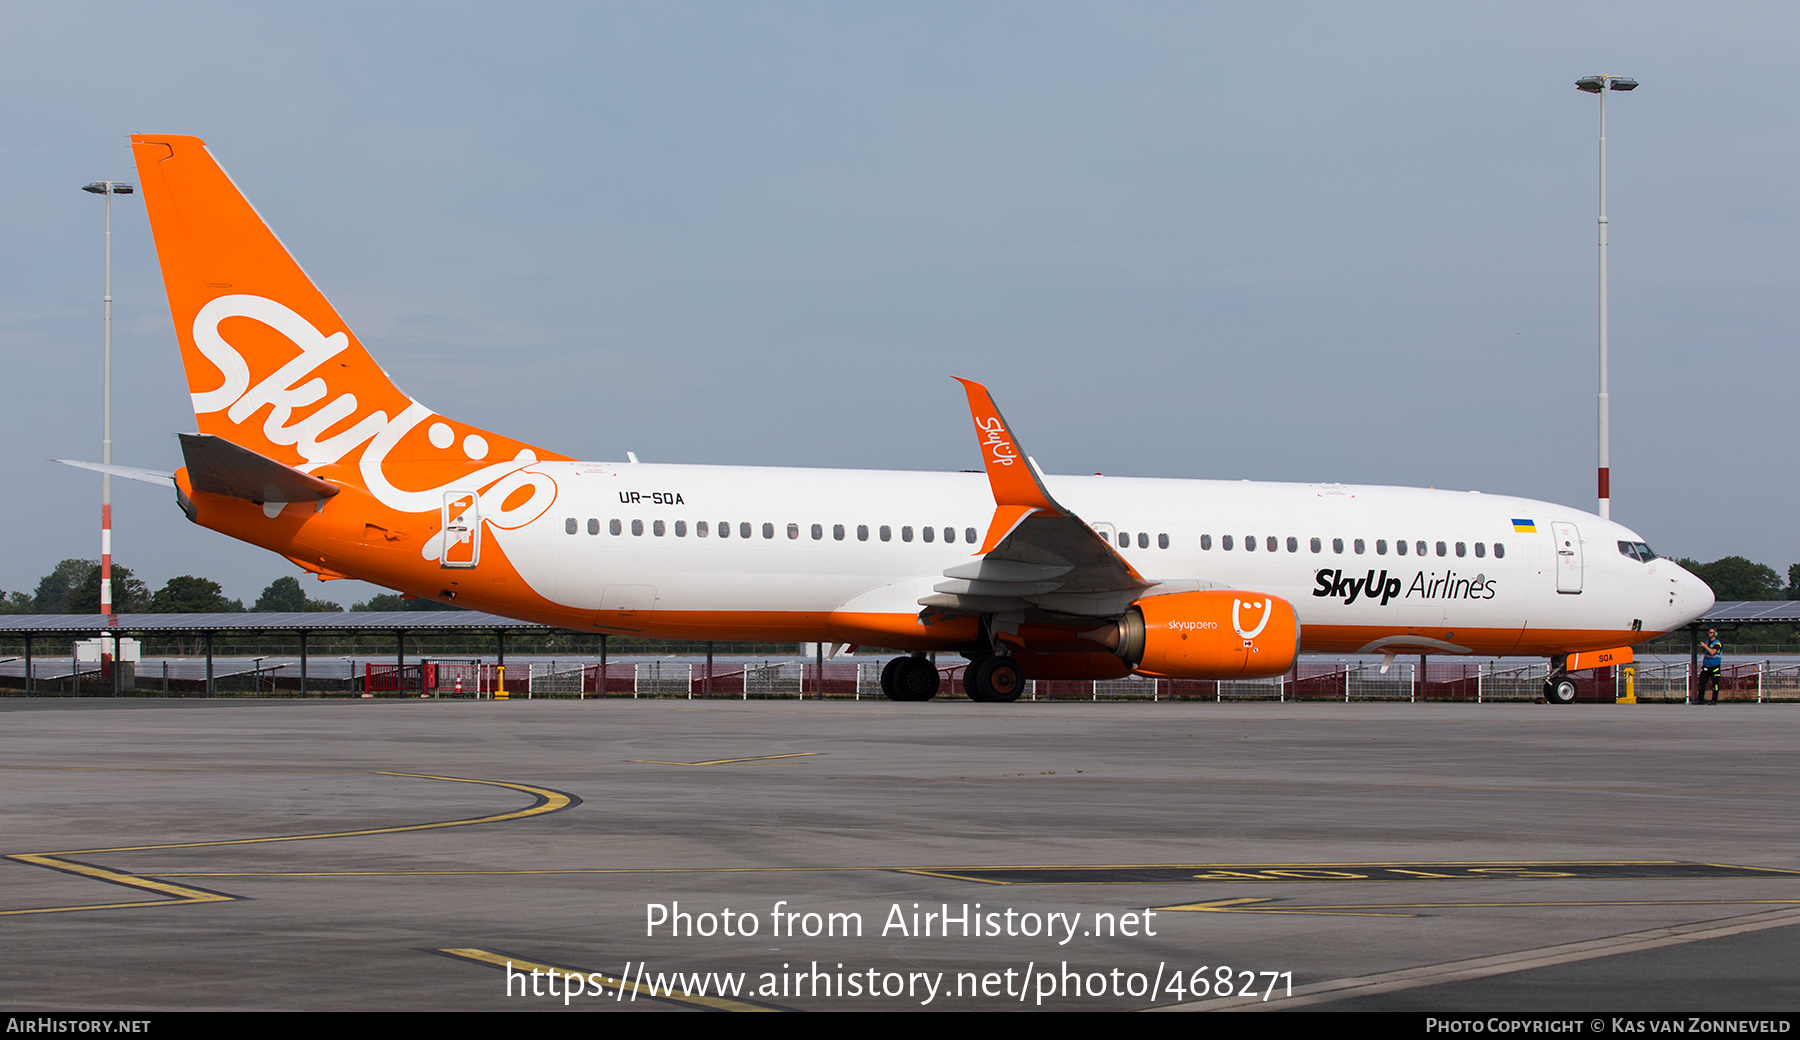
column 1284, row 242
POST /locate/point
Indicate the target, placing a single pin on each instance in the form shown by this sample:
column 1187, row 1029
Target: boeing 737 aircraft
column 306, row 448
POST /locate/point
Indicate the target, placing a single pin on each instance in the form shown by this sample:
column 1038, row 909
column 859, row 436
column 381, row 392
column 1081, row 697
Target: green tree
column 129, row 595
column 1735, row 578
column 1793, row 589
column 283, row 595
column 55, row 588
column 395, row 601
column 190, row 595
column 17, row 603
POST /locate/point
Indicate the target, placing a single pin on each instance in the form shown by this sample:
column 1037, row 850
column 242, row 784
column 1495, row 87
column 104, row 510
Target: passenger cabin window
column 681, row 528
column 569, row 525
column 1499, row 551
column 1381, row 546
column 615, row 527
column 593, row 525
column 1225, row 542
column 1124, row 540
column 1293, row 544
column 637, row 527
column 724, row 529
column 1143, row 540
column 793, row 531
column 657, row 529
column 1480, row 550
column 1420, row 546
column 1249, row 543
column 928, row 533
column 1272, row 544
column 744, row 531
column 887, row 533
column 818, row 532
column 1162, row 541
column 949, row 534
column 969, row 535
column 1462, row 549
column 906, row 534
column 1317, row 546
column 862, row 532
column 1206, row 542
column 1358, row 546
column 837, row 532
column 700, row 529
column 1337, row 545
column 1400, row 547
column 1441, row 549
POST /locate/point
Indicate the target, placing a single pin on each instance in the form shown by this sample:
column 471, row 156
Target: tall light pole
column 1599, row 85
column 108, row 189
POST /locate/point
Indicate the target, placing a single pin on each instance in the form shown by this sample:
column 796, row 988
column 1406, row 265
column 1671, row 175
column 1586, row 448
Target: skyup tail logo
column 301, row 382
column 1331, row 583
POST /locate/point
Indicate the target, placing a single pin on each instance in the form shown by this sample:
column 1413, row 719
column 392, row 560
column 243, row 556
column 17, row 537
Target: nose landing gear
column 1559, row 689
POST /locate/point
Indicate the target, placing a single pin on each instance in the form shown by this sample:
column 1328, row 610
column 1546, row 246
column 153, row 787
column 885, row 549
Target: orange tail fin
column 270, row 364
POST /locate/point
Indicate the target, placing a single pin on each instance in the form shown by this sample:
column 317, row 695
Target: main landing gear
column 994, row 680
column 912, row 678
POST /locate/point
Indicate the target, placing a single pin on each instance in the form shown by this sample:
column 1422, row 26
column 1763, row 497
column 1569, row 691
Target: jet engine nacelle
column 1213, row 634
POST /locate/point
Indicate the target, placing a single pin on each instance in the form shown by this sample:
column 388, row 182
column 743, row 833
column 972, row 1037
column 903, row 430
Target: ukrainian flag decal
column 1524, row 526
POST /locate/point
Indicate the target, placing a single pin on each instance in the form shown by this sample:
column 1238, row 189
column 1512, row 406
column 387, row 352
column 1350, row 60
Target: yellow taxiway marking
column 725, row 761
column 1500, row 964
column 545, row 801
column 1252, row 905
column 1309, row 873
column 619, row 987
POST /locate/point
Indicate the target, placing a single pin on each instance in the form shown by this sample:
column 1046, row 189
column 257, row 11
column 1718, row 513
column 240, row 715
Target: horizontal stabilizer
column 148, row 476
column 219, row 467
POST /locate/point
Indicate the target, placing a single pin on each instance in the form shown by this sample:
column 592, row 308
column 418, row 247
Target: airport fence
column 1656, row 680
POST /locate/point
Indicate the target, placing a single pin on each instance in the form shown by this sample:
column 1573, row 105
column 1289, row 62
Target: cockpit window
column 1637, row 551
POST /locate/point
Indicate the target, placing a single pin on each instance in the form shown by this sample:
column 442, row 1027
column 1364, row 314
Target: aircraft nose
column 1696, row 596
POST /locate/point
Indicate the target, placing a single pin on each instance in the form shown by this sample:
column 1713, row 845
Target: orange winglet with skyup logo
column 1009, row 471
column 1028, row 523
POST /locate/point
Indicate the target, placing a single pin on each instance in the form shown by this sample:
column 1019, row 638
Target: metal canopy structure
column 311, row 621
column 1752, row 612
column 399, row 622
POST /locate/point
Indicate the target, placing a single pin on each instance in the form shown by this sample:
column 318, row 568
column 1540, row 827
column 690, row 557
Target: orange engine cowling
column 1214, row 634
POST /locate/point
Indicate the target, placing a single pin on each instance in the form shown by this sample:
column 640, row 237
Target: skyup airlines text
column 1349, row 588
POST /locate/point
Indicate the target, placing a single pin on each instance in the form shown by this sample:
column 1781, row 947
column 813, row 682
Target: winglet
column 1009, row 474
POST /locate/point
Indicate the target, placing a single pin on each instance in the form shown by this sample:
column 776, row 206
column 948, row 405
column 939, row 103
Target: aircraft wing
column 1038, row 554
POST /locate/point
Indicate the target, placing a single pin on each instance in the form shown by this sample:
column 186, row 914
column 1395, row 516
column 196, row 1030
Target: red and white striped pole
column 108, row 189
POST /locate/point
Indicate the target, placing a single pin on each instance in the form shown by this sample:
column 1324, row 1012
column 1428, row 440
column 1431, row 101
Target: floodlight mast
column 108, row 189
column 1599, row 85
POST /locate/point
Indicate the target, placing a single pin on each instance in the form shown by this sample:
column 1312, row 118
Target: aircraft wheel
column 919, row 679
column 998, row 680
column 1559, row 690
column 890, row 685
column 968, row 680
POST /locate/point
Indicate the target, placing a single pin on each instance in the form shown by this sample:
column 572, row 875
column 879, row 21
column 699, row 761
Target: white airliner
column 308, row 449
